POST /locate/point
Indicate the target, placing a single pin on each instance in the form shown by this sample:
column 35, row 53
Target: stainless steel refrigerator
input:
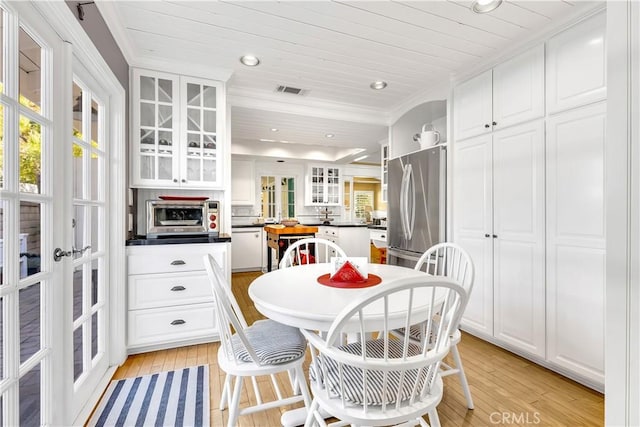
column 416, row 217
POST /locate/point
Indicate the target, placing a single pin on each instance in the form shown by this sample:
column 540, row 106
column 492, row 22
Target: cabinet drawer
column 378, row 235
column 330, row 231
column 155, row 290
column 173, row 258
column 161, row 325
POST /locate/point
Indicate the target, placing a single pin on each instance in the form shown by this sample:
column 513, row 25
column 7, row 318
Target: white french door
column 88, row 154
column 54, row 236
column 30, row 190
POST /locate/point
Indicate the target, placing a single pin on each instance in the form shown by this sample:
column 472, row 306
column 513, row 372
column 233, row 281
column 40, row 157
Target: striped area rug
column 176, row 398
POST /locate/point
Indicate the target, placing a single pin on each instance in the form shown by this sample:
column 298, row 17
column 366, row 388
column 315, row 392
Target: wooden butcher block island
column 279, row 238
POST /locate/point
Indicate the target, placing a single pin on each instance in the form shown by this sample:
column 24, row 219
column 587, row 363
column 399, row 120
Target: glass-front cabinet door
column 177, row 128
column 200, row 133
column 155, row 121
column 324, row 186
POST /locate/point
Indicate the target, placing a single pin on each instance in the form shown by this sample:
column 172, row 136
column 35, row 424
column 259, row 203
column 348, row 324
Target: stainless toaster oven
column 167, row 218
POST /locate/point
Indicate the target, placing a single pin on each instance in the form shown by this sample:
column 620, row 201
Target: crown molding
column 585, row 11
column 195, row 70
column 114, row 22
column 284, row 103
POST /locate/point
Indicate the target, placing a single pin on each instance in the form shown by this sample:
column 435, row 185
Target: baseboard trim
column 537, row 360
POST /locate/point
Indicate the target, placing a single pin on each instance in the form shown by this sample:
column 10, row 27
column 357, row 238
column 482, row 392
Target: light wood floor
column 507, row 389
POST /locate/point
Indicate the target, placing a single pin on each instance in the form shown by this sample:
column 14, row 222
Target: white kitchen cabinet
column 499, row 220
column 473, row 224
column 576, row 65
column 177, row 131
column 511, row 93
column 576, row 246
column 324, row 186
column 472, row 104
column 353, row 240
column 170, row 302
column 246, row 249
column 243, row 183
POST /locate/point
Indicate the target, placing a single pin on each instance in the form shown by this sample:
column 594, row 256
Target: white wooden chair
column 392, row 381
column 264, row 348
column 451, row 261
column 310, row 251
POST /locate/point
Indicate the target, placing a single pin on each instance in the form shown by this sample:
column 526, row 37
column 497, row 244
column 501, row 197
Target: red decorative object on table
column 348, row 273
column 372, row 280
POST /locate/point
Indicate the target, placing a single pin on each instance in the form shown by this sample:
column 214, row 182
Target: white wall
column 402, row 131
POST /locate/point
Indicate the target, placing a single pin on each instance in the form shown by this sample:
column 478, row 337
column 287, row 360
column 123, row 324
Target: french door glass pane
column 1, row 342
column 77, row 352
column 30, row 59
column 1, row 134
column 30, row 155
column 95, row 114
column 77, row 292
column 77, row 110
column 29, row 387
column 95, row 295
column 2, row 253
column 29, row 321
column 94, row 335
column 97, row 165
column 1, row 90
column 78, row 168
column 30, row 233
column 79, row 223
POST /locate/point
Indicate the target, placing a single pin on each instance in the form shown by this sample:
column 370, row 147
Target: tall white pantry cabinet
column 528, row 200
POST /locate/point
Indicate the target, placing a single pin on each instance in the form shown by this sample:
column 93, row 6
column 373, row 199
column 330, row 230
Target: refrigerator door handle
column 411, row 210
column 403, row 203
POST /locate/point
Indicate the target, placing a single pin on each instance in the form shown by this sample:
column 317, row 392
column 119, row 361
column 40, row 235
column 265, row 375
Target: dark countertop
column 177, row 240
column 378, row 227
column 311, row 224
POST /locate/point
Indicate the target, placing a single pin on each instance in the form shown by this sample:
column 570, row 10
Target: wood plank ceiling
column 332, row 50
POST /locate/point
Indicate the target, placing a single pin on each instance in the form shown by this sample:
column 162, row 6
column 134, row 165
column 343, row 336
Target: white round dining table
column 294, row 297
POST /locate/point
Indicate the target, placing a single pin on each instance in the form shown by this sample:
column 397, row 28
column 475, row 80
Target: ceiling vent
column 291, row 90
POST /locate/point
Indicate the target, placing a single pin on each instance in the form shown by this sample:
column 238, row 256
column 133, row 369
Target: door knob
column 58, row 253
column 487, row 126
column 487, row 235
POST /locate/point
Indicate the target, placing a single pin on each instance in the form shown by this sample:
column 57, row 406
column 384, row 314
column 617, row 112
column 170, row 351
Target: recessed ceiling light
column 274, row 129
column 267, row 140
column 329, row 135
column 249, row 60
column 484, row 6
column 361, row 158
column 379, row 85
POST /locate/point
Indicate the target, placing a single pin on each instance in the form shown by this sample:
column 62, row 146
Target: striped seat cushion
column 376, row 390
column 273, row 342
column 415, row 332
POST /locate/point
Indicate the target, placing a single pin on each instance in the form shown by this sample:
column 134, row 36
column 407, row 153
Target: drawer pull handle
column 383, row 236
column 178, row 322
column 178, row 262
column 178, row 288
